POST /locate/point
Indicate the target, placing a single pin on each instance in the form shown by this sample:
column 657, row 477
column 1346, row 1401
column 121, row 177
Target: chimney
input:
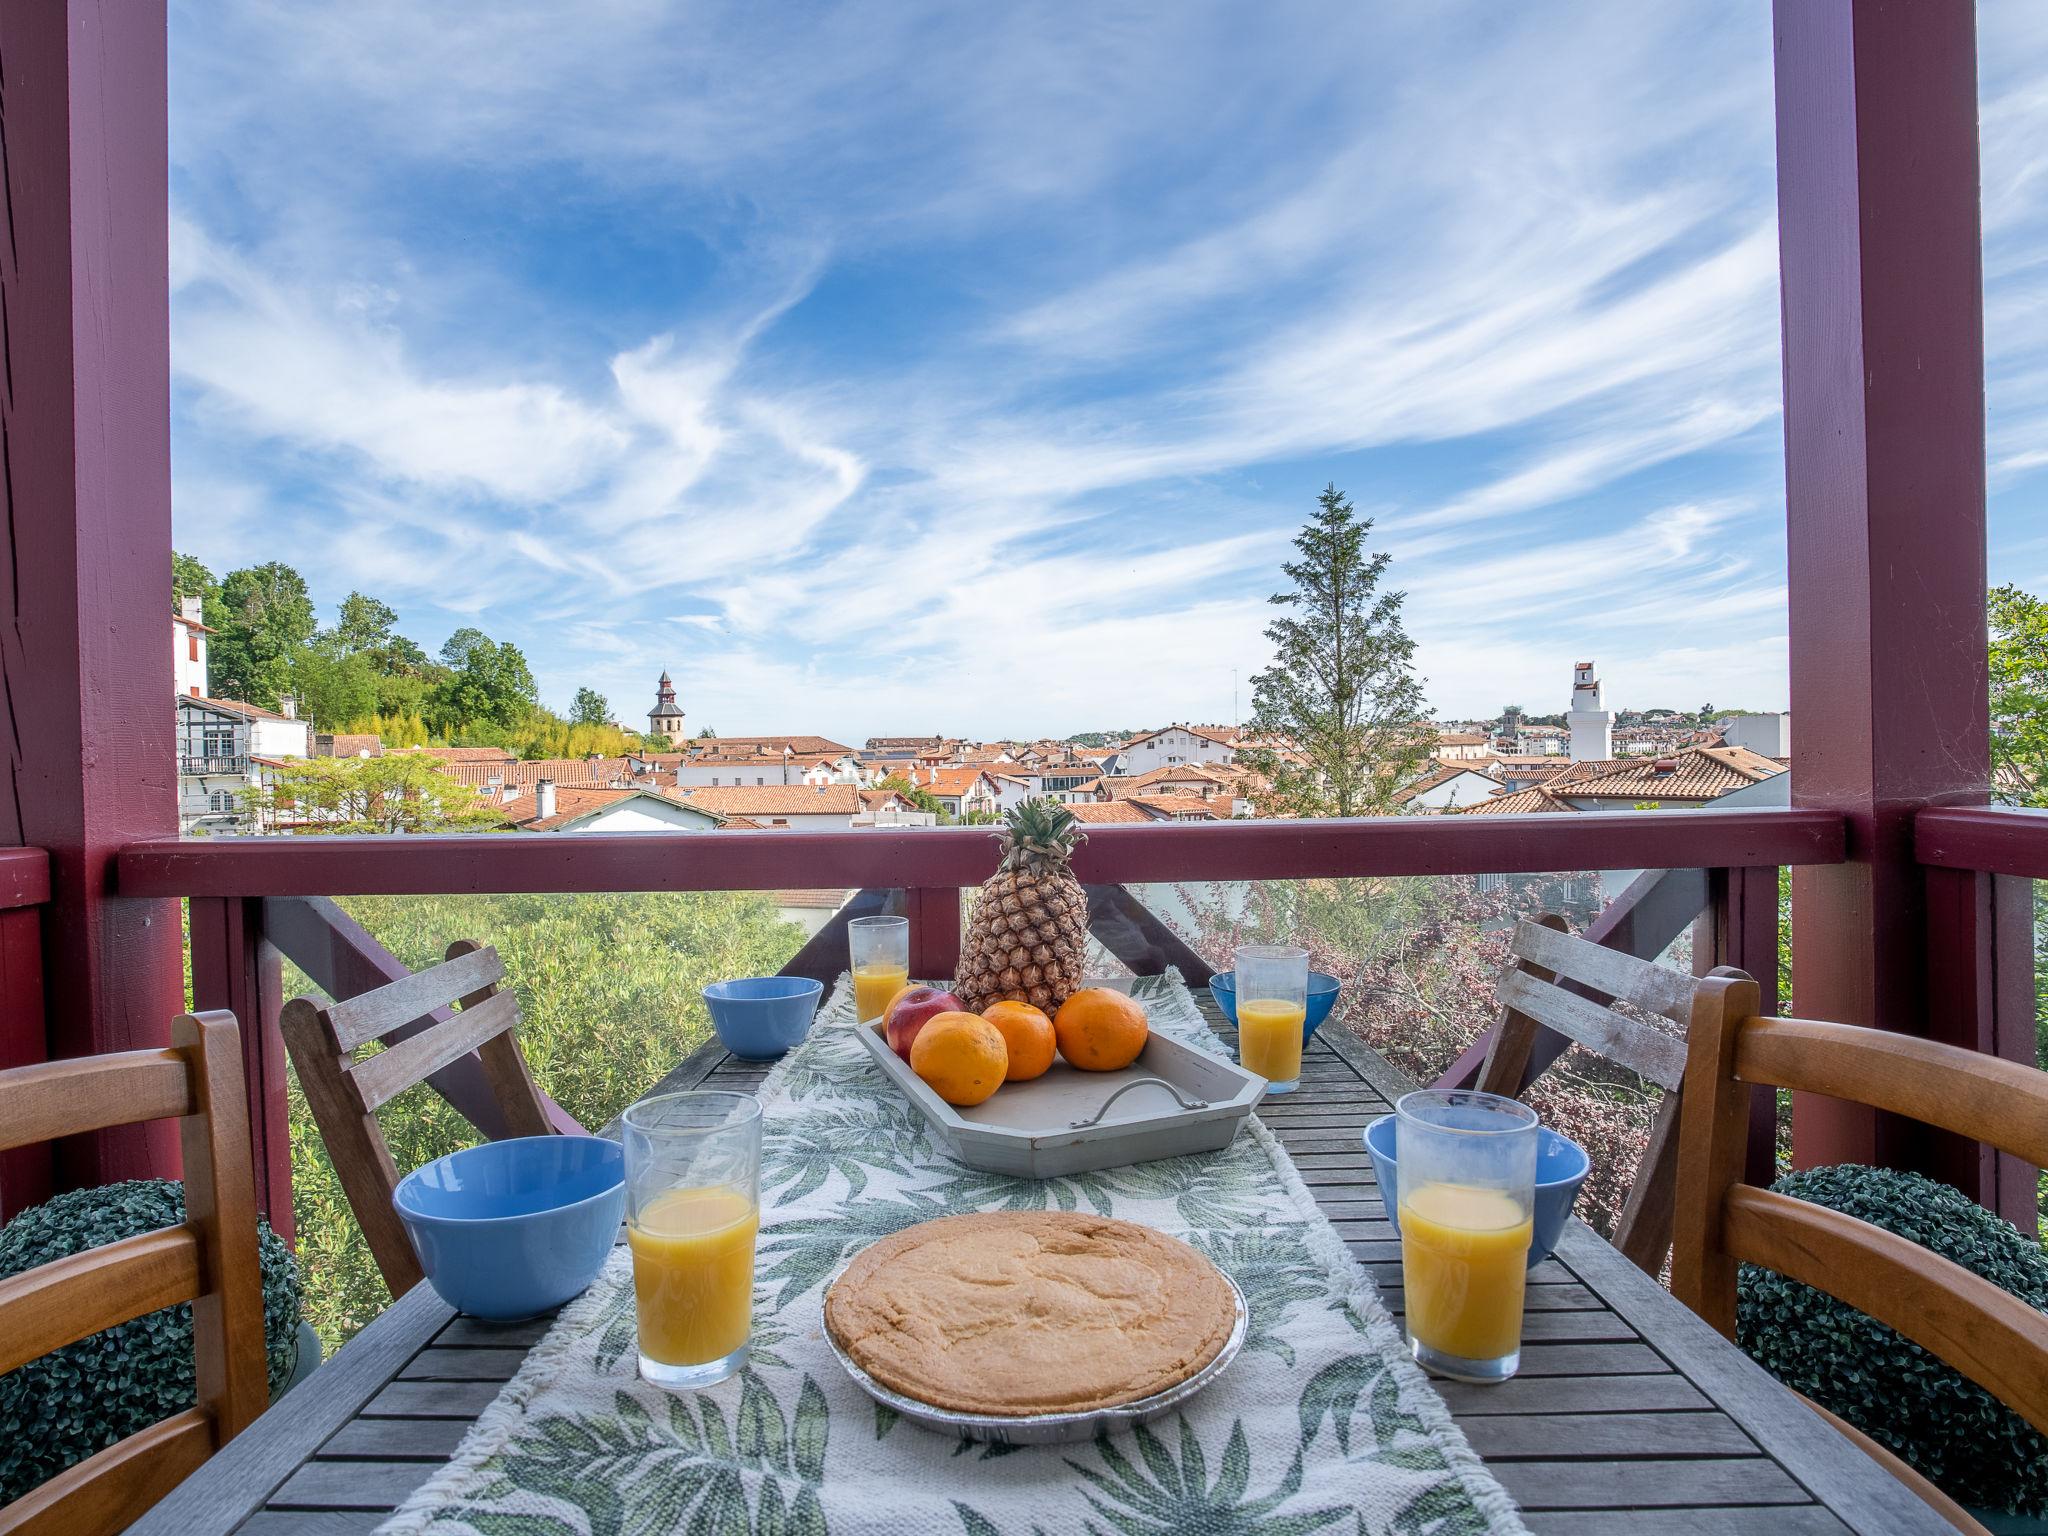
column 544, row 799
column 190, row 608
column 288, row 706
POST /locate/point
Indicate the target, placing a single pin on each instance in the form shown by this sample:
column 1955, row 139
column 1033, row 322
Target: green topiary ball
column 1959, row 1436
column 80, row 1399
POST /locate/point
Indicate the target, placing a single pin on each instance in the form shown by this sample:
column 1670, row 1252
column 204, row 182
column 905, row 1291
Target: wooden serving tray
column 1028, row 1129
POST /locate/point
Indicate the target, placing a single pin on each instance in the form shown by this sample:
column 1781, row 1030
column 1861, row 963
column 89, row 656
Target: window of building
column 191, row 646
column 221, row 801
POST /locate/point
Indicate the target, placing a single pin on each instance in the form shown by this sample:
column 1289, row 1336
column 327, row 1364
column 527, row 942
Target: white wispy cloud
column 927, row 367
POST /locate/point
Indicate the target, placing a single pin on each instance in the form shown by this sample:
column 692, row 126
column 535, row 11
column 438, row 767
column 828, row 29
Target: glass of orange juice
column 693, row 1206
column 881, row 963
column 1272, row 1005
column 1466, row 1164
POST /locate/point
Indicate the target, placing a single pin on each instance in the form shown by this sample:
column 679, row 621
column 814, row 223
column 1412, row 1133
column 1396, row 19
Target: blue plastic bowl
column 759, row 1017
column 1561, row 1167
column 511, row 1228
column 1322, row 997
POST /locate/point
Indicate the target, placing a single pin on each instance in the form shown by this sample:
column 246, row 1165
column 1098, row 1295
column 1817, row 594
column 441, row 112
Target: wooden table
column 1630, row 1415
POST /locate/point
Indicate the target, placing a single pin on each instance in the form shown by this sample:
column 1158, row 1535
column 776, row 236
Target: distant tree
column 339, row 796
column 189, row 578
column 455, row 650
column 916, row 794
column 490, row 684
column 654, row 741
column 263, row 618
column 589, row 708
column 333, row 687
column 706, row 734
column 1341, row 691
column 365, row 625
column 2019, row 696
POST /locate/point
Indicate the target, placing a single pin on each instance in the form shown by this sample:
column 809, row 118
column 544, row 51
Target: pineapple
column 1028, row 933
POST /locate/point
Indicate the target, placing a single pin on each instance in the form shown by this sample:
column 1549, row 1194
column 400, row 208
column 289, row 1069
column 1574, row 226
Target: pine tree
column 1338, row 718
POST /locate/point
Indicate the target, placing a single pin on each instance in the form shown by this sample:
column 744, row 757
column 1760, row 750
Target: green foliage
column 487, row 682
column 342, row 796
column 1342, row 688
column 916, row 794
column 610, row 998
column 82, row 1398
column 263, row 618
column 189, row 578
column 2019, row 696
column 1953, row 1431
column 589, row 707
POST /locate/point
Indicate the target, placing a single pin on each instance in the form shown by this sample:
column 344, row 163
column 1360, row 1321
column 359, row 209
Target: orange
column 1100, row 1030
column 961, row 1056
column 1028, row 1034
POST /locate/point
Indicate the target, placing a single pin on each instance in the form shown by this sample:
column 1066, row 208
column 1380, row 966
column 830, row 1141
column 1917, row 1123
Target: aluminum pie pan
column 1050, row 1428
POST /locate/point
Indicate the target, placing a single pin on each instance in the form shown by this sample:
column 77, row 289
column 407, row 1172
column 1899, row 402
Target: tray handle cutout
column 1137, row 1082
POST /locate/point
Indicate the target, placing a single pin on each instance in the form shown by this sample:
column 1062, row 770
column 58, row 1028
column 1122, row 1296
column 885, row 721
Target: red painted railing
column 233, row 882
column 24, row 1035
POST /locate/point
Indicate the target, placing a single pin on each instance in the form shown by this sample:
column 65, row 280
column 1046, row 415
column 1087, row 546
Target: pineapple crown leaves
column 1039, row 830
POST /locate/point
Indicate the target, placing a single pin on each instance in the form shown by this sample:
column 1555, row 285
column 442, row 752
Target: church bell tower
column 666, row 718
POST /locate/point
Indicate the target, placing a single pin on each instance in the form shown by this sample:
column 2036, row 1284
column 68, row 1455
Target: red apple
column 910, row 1010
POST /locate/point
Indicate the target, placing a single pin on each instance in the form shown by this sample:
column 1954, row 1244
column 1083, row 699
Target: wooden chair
column 344, row 1094
column 1987, row 1334
column 209, row 1260
column 1532, row 997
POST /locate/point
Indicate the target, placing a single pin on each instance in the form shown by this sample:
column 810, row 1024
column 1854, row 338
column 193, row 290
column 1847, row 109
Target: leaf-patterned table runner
column 1323, row 1423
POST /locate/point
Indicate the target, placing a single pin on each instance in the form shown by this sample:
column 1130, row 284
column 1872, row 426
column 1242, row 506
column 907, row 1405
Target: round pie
column 1027, row 1312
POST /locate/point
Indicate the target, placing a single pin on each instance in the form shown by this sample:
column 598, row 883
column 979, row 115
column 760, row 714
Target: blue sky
column 917, row 366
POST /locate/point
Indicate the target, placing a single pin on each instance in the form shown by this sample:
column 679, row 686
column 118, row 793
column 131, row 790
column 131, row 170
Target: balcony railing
column 211, row 765
column 254, row 899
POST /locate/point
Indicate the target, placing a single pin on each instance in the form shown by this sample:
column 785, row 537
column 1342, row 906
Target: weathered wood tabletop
column 1629, row 1415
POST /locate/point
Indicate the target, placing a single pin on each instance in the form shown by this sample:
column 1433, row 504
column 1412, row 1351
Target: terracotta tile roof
column 820, row 901
column 1534, row 801
column 758, row 746
column 758, row 801
column 952, row 783
column 236, row 707
column 1462, row 739
column 1698, row 773
column 1176, row 807
column 348, row 744
column 1097, row 812
column 1222, row 735
column 875, row 799
column 601, row 773
column 1433, row 778
column 464, row 754
column 1218, row 779
column 573, row 804
column 205, row 629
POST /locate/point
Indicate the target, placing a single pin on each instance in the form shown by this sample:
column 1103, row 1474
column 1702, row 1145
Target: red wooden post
column 934, row 913
column 24, row 887
column 234, row 968
column 86, row 481
column 1884, row 455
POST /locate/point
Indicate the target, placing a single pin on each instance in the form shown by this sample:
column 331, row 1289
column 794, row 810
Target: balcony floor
column 1629, row 1415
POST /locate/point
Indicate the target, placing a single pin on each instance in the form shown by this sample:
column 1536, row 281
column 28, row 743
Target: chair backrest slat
column 1993, row 1338
column 1544, row 987
column 1988, row 1334
column 1968, row 1092
column 1647, row 1052
column 210, row 1260
column 344, row 1094
column 384, row 1076
column 1642, row 984
column 90, row 1093
column 60, row 1302
column 374, row 1014
column 111, row 1490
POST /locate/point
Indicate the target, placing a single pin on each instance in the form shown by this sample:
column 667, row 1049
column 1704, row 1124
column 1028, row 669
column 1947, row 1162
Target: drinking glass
column 1466, row 1164
column 1272, row 1005
column 881, row 962
column 693, row 1206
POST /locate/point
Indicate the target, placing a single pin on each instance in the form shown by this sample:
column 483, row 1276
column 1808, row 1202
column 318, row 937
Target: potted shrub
column 77, row 1400
column 1959, row 1436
